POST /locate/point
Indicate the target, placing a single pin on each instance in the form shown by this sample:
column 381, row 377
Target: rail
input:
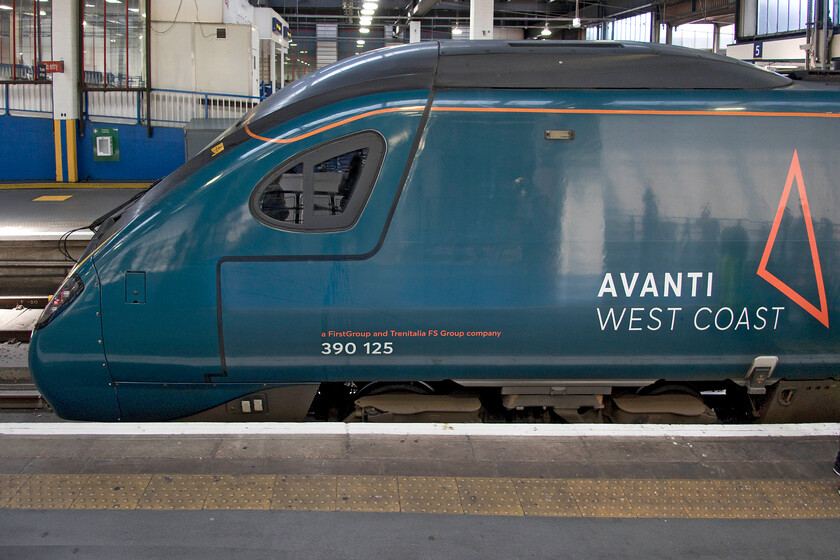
column 27, row 100
column 169, row 107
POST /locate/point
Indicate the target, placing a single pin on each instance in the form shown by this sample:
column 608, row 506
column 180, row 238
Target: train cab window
column 283, row 200
column 323, row 189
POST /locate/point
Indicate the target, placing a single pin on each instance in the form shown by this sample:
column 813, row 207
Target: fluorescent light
column 5, row 7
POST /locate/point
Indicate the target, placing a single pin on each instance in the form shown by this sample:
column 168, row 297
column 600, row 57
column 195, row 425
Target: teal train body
column 543, row 225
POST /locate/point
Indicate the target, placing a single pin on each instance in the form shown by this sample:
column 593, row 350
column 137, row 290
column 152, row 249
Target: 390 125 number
column 350, row 348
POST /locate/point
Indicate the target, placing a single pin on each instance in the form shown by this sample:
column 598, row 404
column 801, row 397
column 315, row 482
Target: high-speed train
column 475, row 231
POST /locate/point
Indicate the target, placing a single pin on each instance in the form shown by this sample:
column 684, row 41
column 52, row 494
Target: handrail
column 169, row 107
column 209, row 93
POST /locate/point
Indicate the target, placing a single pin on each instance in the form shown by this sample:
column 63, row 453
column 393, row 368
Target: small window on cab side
column 322, row 189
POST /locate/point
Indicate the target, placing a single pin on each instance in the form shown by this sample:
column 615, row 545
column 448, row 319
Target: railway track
column 18, row 315
column 21, row 397
column 35, row 266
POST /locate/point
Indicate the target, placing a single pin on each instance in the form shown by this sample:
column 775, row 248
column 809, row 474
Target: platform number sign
column 758, row 49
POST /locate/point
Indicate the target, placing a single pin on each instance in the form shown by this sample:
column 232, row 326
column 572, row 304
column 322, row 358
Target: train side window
column 335, row 182
column 323, row 189
column 283, row 199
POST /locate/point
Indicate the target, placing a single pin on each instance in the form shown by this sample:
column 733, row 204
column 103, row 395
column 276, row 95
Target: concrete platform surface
column 46, row 212
column 205, row 491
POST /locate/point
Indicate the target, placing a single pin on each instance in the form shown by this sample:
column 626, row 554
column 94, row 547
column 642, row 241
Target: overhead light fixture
column 457, row 30
column 365, row 20
column 360, row 42
column 576, row 22
column 364, row 30
column 545, row 31
column 370, row 5
column 368, row 12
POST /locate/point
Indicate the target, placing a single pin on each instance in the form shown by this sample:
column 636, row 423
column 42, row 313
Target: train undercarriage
column 540, row 402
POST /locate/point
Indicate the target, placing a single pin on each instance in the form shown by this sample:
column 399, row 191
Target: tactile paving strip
column 304, row 492
column 176, row 492
column 9, row 486
column 489, row 496
column 749, row 499
column 601, row 498
column 801, row 499
column 701, row 499
column 745, row 499
column 48, row 491
column 240, row 492
column 546, row 498
column 653, row 498
column 429, row 494
column 112, row 491
column 367, row 493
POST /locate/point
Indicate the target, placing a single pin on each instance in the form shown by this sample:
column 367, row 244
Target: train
column 476, row 231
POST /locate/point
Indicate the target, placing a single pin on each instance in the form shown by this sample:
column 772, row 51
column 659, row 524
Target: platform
column 35, row 217
column 46, row 211
column 508, row 483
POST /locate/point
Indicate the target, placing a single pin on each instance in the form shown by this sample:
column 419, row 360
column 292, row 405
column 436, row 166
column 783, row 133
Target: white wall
column 173, row 58
column 209, row 11
column 190, row 57
column 237, row 11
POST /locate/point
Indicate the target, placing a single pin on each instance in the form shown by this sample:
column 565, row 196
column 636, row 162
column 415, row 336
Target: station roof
column 442, row 15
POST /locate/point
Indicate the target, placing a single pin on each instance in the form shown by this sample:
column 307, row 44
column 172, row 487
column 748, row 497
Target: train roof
column 513, row 65
column 593, row 65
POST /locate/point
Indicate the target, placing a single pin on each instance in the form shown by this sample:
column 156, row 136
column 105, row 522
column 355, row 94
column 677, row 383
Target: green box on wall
column 106, row 144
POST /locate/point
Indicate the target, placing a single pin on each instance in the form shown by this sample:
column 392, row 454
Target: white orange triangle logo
column 821, row 314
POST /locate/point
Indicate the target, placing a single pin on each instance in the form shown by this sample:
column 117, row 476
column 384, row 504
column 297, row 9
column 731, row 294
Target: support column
column 481, row 19
column 284, row 50
column 65, row 47
column 654, row 28
column 716, row 39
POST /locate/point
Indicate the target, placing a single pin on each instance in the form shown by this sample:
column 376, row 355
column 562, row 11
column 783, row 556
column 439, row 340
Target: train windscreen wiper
column 94, row 225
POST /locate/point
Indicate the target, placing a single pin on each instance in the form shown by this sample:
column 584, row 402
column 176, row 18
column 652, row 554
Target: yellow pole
column 72, row 163
column 59, row 174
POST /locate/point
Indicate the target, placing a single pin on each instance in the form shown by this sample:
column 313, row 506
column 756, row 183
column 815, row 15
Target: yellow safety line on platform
column 633, row 498
column 53, row 198
column 34, row 186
